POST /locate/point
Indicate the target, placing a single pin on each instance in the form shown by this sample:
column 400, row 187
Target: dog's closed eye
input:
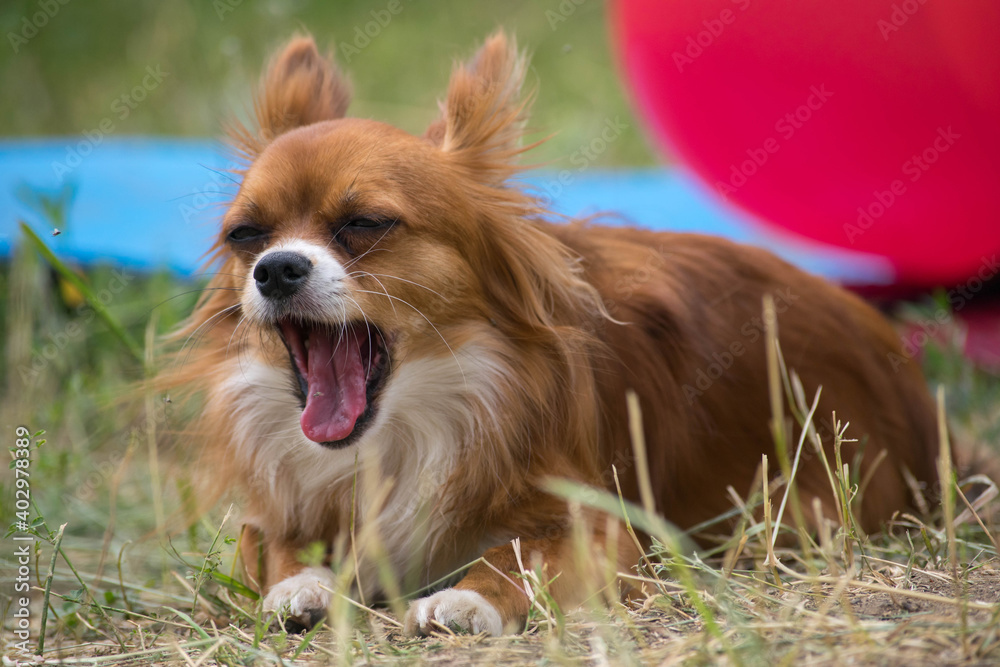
column 245, row 233
column 359, row 234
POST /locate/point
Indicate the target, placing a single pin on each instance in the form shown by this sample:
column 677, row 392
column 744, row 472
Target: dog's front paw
column 467, row 611
column 301, row 599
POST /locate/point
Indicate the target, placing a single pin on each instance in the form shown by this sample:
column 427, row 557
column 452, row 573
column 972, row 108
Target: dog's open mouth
column 340, row 370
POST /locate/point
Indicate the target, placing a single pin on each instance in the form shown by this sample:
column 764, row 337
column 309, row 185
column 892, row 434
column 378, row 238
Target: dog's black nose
column 281, row 274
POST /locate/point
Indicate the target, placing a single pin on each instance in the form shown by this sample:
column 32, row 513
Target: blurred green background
column 65, row 79
column 65, row 371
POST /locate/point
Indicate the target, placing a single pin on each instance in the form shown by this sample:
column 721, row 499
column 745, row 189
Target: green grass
column 69, row 75
column 124, row 590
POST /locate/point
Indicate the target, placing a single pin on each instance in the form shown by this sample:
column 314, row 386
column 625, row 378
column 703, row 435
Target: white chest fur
column 394, row 476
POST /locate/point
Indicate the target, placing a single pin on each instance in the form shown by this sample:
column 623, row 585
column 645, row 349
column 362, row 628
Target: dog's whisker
column 211, row 323
column 386, row 275
column 204, row 193
column 221, row 173
column 200, row 290
column 382, row 285
column 369, row 330
column 236, row 329
column 355, row 260
column 431, row 324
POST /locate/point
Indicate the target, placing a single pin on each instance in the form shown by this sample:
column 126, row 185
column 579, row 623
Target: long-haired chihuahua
column 401, row 345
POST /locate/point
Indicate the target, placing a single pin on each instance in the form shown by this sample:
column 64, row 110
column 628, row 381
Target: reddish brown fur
column 536, row 295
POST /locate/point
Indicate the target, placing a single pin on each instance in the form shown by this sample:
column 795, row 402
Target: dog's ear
column 482, row 117
column 300, row 87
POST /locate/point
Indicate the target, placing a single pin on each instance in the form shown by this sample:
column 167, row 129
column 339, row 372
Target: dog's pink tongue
column 336, row 379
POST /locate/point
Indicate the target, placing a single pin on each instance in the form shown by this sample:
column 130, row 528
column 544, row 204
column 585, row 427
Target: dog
column 401, row 347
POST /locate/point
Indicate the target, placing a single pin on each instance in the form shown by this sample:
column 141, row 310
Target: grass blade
column 70, row 276
column 48, row 587
column 190, row 621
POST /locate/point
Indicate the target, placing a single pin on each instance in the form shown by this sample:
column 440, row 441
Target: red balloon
column 868, row 124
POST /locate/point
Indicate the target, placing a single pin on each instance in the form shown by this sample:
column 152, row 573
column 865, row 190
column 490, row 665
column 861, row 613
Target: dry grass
column 122, row 589
column 121, row 592
column 899, row 604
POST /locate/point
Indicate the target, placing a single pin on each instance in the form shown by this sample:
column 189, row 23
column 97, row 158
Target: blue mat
column 154, row 203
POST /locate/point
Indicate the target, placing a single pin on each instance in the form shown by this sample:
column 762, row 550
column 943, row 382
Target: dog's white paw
column 303, row 598
column 465, row 610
